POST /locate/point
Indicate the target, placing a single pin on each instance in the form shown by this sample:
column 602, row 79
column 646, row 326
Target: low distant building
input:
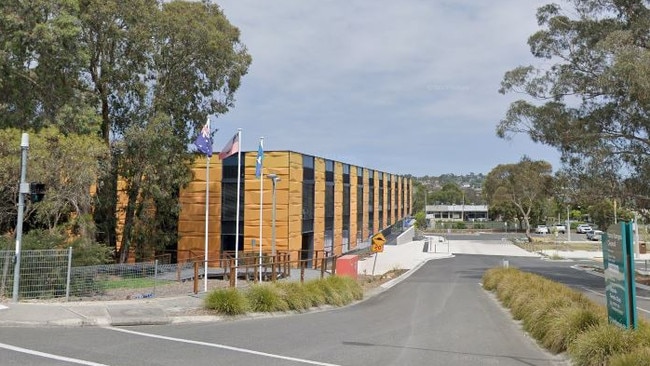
column 456, row 213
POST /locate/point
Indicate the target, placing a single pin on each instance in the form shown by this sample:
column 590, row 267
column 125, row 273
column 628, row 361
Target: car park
column 594, row 234
column 583, row 228
column 541, row 229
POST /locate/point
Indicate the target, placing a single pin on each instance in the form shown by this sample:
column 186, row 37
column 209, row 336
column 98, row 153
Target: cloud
column 374, row 82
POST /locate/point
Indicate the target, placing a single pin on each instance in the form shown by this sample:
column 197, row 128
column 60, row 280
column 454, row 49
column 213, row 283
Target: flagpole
column 207, row 210
column 261, row 176
column 237, row 214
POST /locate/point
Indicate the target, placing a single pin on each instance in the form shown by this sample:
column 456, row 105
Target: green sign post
column 618, row 261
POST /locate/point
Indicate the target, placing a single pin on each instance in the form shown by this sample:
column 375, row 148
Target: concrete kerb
column 155, row 311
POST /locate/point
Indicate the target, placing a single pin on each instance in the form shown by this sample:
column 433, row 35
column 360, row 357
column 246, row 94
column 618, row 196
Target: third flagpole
column 260, row 157
column 237, row 213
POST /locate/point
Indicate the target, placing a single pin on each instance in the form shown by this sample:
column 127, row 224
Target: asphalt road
column 440, row 315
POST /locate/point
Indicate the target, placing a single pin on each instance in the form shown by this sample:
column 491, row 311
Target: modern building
column 320, row 205
column 456, row 213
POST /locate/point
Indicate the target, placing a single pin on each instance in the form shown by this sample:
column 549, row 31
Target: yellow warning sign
column 378, row 241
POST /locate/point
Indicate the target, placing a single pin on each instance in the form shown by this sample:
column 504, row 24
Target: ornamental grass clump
column 637, row 357
column 332, row 296
column 348, row 289
column 227, row 301
column 568, row 324
column 315, row 292
column 596, row 345
column 266, row 298
column 295, row 295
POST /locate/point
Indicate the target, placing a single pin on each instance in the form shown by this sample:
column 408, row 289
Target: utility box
column 347, row 265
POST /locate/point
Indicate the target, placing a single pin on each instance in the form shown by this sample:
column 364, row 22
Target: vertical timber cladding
column 294, row 202
column 275, row 162
column 251, row 202
column 338, row 208
column 319, row 204
column 364, row 231
column 353, row 207
column 375, row 203
column 191, row 220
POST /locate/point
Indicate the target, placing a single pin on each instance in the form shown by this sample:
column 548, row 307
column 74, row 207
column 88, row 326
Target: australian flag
column 203, row 141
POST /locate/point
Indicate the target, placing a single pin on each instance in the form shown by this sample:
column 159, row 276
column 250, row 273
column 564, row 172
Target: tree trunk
column 129, row 218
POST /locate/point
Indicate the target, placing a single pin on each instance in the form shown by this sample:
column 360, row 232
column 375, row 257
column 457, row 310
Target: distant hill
column 468, row 181
column 471, row 184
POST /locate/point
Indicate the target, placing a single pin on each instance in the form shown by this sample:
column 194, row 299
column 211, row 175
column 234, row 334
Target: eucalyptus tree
column 125, row 70
column 41, row 60
column 589, row 96
column 525, row 185
column 54, row 159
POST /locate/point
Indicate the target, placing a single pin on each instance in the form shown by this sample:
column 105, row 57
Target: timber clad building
column 321, row 205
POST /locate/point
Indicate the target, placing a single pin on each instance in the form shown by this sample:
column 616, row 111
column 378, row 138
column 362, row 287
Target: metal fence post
column 67, row 284
column 155, row 276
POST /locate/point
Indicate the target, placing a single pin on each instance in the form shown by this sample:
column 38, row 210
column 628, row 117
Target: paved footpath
column 180, row 309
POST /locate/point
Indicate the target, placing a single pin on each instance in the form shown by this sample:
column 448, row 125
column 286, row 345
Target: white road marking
column 50, row 356
column 222, row 346
column 2, row 307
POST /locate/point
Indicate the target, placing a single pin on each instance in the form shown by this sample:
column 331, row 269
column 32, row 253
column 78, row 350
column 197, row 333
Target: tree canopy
column 519, row 187
column 138, row 78
column 590, row 96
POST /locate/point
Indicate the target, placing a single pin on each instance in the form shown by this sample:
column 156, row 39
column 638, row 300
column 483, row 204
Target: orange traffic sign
column 378, row 241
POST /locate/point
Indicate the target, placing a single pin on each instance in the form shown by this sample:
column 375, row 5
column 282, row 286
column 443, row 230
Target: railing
column 267, row 267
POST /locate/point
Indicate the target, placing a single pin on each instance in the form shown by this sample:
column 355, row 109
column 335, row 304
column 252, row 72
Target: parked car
column 594, row 234
column 541, row 229
column 583, row 228
column 558, row 228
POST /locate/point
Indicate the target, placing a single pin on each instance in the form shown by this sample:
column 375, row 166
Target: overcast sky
column 406, row 87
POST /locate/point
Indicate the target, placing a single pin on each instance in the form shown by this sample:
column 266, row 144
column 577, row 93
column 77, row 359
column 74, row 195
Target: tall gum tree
column 524, row 185
column 590, row 96
column 123, row 70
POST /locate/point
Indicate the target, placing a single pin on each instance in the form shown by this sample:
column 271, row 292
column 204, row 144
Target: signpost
column 377, row 246
column 618, row 262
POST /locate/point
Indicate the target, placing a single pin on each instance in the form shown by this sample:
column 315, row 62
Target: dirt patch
column 369, row 282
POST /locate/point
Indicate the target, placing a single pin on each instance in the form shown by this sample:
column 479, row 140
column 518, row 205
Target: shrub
column 348, row 288
column 638, row 357
column 226, row 301
column 266, row 298
column 597, row 344
column 315, row 292
column 295, row 295
column 567, row 324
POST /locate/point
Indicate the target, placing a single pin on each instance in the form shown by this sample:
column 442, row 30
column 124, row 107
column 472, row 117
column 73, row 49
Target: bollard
column 196, row 277
column 233, row 272
column 506, row 264
column 323, row 267
column 302, row 272
column 274, row 274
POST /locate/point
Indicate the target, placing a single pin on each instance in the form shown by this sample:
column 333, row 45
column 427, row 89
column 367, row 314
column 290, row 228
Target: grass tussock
column 564, row 320
column 295, row 295
column 637, row 357
column 266, row 298
column 226, row 301
column 285, row 296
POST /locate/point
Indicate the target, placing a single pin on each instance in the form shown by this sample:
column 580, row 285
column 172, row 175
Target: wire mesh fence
column 48, row 274
column 43, row 273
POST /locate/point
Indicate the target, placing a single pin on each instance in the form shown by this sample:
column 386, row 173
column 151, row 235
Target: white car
column 583, row 228
column 594, row 235
column 541, row 229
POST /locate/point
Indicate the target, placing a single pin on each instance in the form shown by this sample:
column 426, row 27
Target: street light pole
column 22, row 191
column 274, row 178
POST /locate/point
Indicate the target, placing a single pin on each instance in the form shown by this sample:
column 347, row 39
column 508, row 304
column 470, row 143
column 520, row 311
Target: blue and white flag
column 259, row 160
column 203, row 141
